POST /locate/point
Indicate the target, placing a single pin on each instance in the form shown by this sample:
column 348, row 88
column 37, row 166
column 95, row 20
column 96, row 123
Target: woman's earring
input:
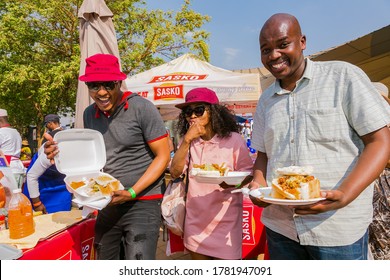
column 187, row 126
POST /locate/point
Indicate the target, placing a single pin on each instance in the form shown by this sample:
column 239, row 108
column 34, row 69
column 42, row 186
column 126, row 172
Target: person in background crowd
column 45, row 186
column 329, row 116
column 379, row 229
column 52, row 124
column 137, row 155
column 246, row 131
column 10, row 142
column 210, row 135
column 25, row 152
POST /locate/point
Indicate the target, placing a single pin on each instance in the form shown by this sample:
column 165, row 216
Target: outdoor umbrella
column 97, row 35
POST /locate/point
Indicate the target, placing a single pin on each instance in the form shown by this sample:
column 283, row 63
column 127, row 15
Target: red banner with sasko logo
column 178, row 77
column 168, row 92
column 248, row 225
column 253, row 231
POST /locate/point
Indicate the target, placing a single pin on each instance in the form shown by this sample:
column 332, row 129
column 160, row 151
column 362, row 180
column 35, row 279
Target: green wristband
column 132, row 192
column 237, row 186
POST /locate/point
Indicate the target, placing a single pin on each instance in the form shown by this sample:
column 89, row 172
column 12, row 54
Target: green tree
column 40, row 52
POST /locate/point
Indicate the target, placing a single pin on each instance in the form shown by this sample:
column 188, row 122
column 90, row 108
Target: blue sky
column 235, row 24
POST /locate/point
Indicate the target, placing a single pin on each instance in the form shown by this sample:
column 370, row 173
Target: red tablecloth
column 74, row 243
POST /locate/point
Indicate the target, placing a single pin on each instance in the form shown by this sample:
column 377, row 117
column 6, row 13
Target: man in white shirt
column 10, row 141
column 329, row 116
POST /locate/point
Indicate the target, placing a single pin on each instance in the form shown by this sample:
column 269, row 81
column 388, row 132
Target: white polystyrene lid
column 81, row 151
column 8, row 252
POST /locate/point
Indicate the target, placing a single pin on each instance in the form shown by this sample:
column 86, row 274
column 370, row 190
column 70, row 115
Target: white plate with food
column 264, row 194
column 231, row 178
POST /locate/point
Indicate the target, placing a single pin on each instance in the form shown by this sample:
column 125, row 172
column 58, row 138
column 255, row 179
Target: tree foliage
column 40, row 52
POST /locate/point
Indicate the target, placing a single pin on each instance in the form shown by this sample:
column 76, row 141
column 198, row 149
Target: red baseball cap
column 197, row 95
column 102, row 68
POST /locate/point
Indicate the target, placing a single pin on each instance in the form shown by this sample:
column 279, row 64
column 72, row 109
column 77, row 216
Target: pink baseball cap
column 102, row 68
column 197, row 95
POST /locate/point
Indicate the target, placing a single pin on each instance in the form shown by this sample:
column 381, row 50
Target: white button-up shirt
column 318, row 124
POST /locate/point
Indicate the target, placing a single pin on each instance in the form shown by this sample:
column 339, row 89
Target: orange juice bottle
column 20, row 216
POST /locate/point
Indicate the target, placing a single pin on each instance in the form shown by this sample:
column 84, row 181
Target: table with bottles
column 61, row 235
column 72, row 243
column 28, row 235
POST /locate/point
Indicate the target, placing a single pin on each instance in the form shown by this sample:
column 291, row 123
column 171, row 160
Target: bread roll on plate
column 296, row 183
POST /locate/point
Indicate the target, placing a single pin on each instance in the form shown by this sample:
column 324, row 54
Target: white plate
column 266, row 197
column 232, row 178
column 96, row 204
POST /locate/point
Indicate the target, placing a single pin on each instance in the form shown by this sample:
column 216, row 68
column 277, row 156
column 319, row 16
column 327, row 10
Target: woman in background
column 210, row 135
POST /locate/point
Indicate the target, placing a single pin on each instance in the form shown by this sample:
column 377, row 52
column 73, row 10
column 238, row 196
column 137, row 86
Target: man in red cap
column 137, row 155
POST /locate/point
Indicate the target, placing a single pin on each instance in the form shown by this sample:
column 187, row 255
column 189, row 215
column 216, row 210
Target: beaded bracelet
column 132, row 192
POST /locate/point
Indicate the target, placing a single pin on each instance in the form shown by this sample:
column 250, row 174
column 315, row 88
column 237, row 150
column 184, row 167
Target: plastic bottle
column 20, row 216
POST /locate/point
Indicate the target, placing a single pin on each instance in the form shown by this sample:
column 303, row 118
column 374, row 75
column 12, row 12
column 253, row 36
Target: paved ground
column 161, row 249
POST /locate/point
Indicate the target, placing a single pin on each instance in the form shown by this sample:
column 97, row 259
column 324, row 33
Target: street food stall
column 66, row 234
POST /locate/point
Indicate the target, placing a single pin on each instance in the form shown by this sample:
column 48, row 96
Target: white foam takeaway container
column 82, row 156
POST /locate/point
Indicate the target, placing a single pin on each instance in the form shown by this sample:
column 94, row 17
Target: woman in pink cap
column 210, row 135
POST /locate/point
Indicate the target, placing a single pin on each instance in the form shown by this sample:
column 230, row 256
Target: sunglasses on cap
column 198, row 111
column 95, row 86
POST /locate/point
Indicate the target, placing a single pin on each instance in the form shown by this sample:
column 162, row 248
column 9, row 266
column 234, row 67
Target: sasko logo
column 168, row 91
column 248, row 225
column 178, row 77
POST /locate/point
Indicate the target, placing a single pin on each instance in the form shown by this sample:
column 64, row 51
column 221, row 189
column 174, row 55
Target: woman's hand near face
column 195, row 130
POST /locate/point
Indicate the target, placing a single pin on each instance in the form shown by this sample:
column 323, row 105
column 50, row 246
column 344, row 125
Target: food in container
column 84, row 177
column 93, row 187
